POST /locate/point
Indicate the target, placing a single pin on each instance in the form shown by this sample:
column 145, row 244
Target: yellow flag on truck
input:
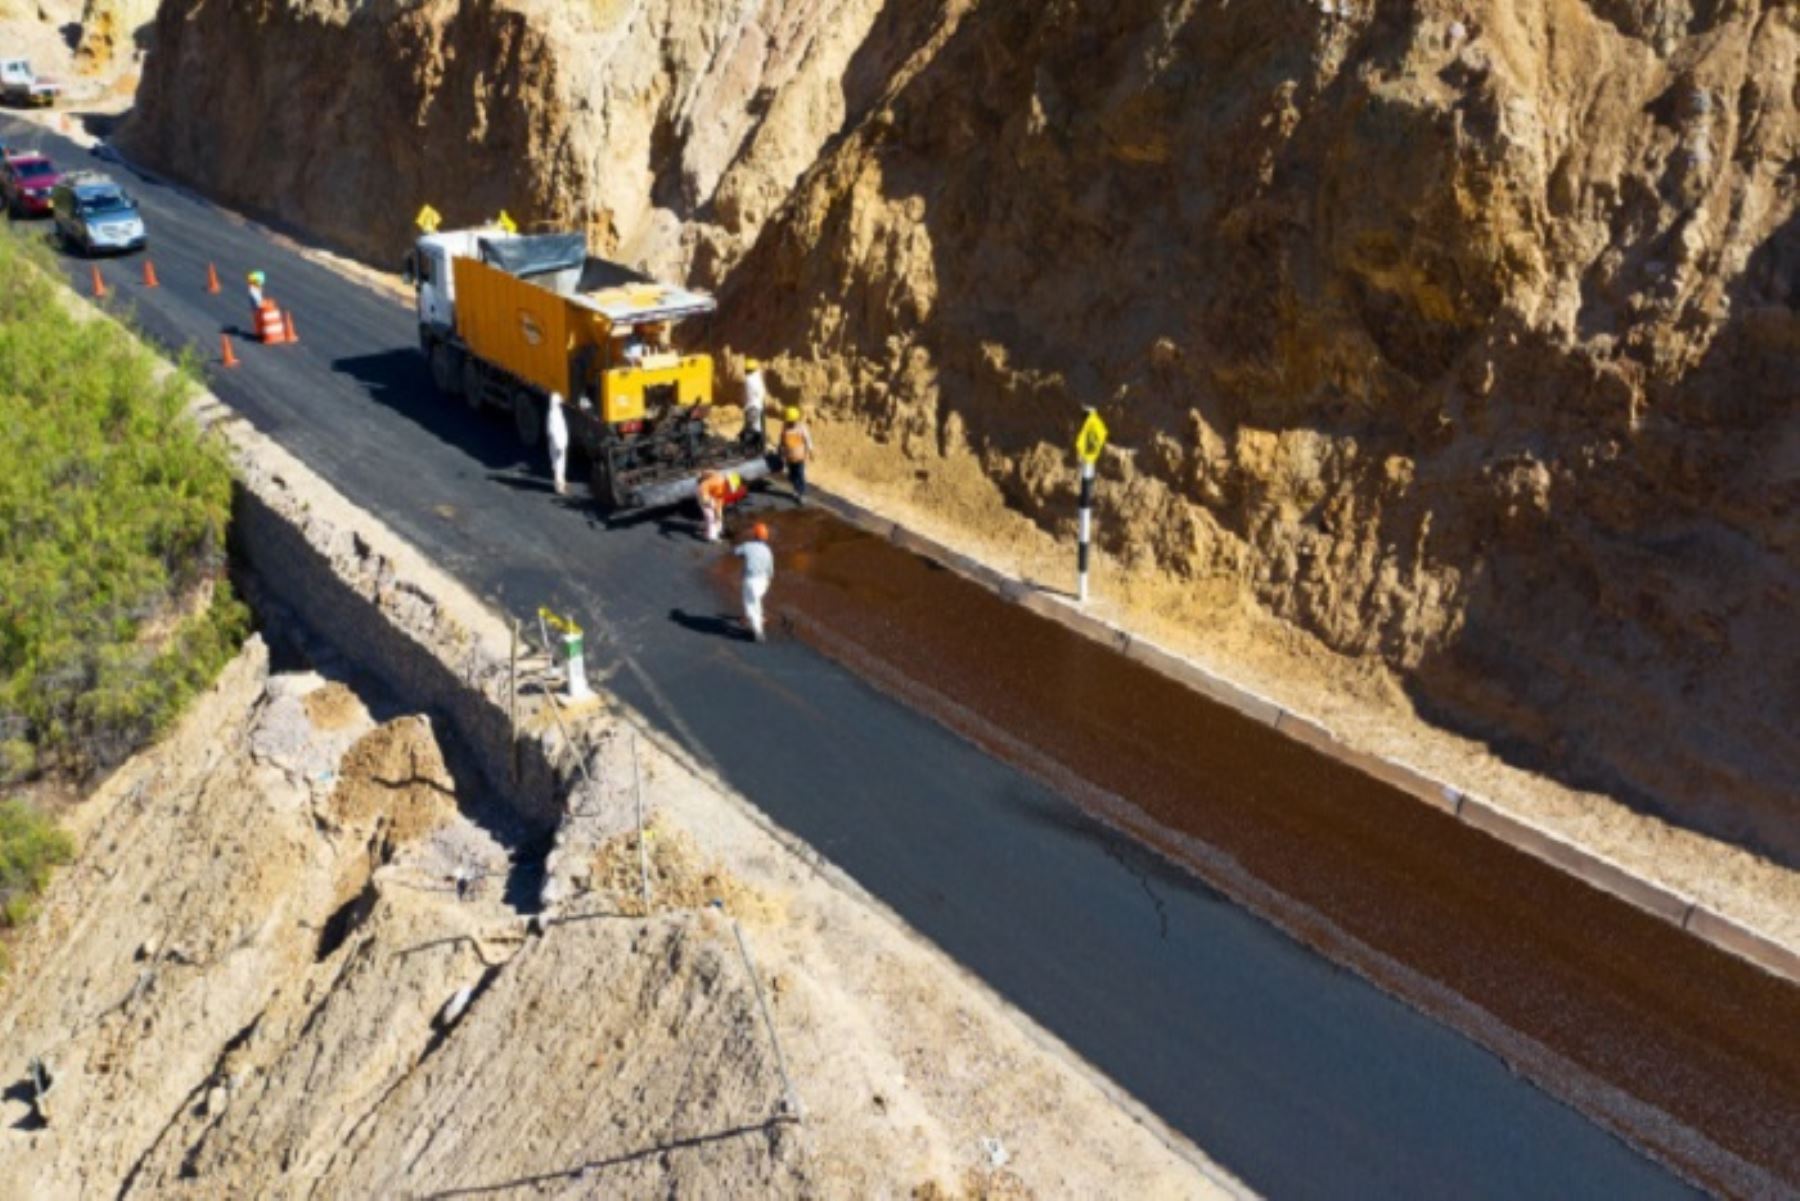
column 507, row 223
column 429, row 219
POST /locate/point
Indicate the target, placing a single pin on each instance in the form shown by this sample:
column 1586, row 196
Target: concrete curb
column 1480, row 814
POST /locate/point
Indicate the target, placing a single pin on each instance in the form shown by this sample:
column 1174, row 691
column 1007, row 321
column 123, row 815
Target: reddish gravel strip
column 1407, row 895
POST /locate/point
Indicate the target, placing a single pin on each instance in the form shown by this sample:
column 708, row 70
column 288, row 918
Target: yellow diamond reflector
column 1092, row 438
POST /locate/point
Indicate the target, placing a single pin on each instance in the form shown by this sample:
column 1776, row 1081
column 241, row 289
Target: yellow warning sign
column 1092, row 438
column 506, row 222
column 429, row 219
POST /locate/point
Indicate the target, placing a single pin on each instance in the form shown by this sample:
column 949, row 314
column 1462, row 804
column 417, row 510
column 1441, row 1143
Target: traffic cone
column 212, row 279
column 229, row 358
column 292, row 334
column 99, row 284
column 65, row 123
column 150, row 280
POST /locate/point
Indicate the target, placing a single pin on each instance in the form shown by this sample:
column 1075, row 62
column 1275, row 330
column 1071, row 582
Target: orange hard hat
column 760, row 532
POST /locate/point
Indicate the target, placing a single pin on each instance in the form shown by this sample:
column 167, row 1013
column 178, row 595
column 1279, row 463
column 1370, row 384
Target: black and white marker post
column 1087, row 527
column 1088, row 444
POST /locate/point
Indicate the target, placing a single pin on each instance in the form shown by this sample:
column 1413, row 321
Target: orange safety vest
column 793, row 444
column 713, row 488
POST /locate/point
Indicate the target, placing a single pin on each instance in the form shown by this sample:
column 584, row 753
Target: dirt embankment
column 93, row 48
column 289, row 962
column 1460, row 336
column 670, row 130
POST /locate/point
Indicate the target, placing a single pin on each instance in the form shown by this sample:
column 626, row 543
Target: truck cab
column 428, row 270
column 19, row 84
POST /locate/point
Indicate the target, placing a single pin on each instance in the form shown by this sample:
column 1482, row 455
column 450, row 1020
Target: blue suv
column 94, row 214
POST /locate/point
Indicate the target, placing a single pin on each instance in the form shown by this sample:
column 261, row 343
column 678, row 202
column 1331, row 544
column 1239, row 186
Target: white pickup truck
column 20, row 85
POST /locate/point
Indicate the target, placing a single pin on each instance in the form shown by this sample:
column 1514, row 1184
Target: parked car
column 26, row 181
column 19, row 84
column 94, row 214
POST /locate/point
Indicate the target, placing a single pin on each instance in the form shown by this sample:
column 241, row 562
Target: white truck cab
column 427, row 270
column 19, row 84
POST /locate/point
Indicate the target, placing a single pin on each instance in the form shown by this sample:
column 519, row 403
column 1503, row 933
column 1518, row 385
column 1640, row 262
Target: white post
column 1087, row 528
column 576, row 664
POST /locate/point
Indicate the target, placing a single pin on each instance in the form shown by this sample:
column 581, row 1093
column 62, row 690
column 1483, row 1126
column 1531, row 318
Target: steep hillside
column 1469, row 343
column 1461, row 336
column 669, row 129
column 288, row 962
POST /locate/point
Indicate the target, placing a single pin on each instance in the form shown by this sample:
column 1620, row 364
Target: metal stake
column 512, row 697
column 637, row 784
column 790, row 1101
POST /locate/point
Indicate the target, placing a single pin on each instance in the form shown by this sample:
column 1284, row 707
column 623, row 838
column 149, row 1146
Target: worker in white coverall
column 556, row 437
column 756, row 396
column 256, row 280
column 759, row 573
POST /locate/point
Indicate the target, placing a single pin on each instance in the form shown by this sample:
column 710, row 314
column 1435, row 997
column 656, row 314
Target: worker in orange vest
column 796, row 449
column 714, row 492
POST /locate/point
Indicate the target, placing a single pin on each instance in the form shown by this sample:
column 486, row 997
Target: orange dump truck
column 506, row 319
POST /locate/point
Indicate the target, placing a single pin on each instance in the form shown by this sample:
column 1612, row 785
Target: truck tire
column 528, row 418
column 474, row 387
column 602, row 483
column 446, row 368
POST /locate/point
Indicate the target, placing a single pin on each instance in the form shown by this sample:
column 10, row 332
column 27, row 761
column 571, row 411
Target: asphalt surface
column 1298, row 1076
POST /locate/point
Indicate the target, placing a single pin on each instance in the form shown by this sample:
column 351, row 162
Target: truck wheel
column 603, row 485
column 528, row 418
column 473, row 386
column 446, row 368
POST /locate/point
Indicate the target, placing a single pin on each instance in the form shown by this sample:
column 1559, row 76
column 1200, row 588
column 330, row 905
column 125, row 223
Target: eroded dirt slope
column 293, row 960
column 1460, row 336
column 670, row 130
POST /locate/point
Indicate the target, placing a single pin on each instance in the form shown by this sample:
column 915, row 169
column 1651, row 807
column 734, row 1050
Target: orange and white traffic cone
column 292, row 334
column 99, row 284
column 150, row 280
column 228, row 357
column 212, row 279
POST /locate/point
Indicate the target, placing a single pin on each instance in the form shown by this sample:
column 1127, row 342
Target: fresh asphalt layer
column 1298, row 1076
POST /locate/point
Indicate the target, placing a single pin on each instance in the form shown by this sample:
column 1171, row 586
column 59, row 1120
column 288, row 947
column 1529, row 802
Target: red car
column 25, row 182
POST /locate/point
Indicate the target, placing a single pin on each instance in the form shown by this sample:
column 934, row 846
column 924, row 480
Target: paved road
column 1296, row 1075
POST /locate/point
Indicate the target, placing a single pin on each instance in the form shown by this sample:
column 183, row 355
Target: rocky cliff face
column 1465, row 336
column 670, row 129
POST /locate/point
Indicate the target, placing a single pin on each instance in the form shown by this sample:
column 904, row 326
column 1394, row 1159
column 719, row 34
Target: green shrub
column 30, row 845
column 113, row 508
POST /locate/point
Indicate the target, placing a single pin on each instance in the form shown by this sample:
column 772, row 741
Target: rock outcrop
column 1463, row 336
column 670, row 130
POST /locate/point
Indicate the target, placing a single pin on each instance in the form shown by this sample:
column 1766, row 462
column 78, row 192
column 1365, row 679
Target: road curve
column 1301, row 1077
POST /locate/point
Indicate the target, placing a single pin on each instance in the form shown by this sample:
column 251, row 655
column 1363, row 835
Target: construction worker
column 716, row 493
column 756, row 395
column 796, row 449
column 759, row 573
column 710, row 490
column 556, row 437
column 257, row 279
